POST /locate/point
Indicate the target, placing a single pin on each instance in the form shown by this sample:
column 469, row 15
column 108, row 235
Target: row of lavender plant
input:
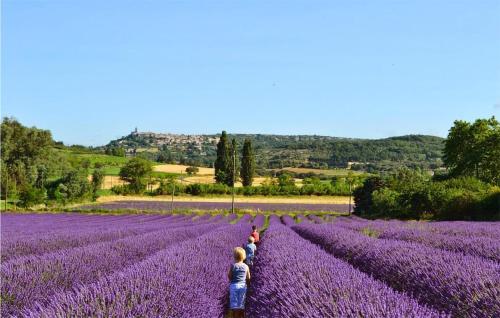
column 14, row 230
column 477, row 246
column 481, row 246
column 294, row 278
column 37, row 278
column 259, row 220
column 316, row 219
column 221, row 206
column 31, row 224
column 302, row 218
column 287, row 220
column 246, row 218
column 463, row 228
column 451, row 228
column 25, row 224
column 40, row 244
column 186, row 280
column 462, row 285
column 16, row 246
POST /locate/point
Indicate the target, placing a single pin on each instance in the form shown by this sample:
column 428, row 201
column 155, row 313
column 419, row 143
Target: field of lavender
column 162, row 265
column 201, row 205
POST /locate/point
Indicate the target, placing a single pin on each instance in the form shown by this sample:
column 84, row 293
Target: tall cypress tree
column 223, row 159
column 232, row 152
column 247, row 164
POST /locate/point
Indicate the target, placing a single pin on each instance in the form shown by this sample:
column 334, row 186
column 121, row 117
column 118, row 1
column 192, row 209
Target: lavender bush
column 315, row 219
column 294, row 278
column 287, row 220
column 462, row 285
column 36, row 278
column 259, row 220
column 16, row 246
column 166, row 206
column 423, row 233
column 187, row 280
column 157, row 265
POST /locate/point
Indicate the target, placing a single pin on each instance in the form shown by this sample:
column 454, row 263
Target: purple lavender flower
column 462, row 285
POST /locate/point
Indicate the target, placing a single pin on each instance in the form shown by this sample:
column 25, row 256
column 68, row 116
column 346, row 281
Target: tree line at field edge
column 35, row 171
column 468, row 190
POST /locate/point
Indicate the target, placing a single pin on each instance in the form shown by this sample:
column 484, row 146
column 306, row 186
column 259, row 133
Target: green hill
column 308, row 151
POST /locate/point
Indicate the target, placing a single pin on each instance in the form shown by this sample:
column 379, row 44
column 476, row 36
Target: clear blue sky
column 91, row 71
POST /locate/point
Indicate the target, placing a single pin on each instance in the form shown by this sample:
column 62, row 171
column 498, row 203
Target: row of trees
column 468, row 189
column 284, row 184
column 227, row 165
column 414, row 195
column 37, row 170
column 33, row 172
column 115, row 151
column 473, row 149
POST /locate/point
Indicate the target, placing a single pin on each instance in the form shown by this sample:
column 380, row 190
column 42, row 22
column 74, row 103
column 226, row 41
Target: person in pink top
column 255, row 234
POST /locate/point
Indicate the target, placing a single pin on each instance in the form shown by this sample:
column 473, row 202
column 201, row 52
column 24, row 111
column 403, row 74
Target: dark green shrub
column 363, row 195
column 490, row 205
column 191, row 170
column 218, row 188
column 385, row 202
column 289, row 190
column 248, row 191
column 307, row 189
column 195, row 189
column 165, row 187
column 286, row 180
column 73, row 187
column 32, row 196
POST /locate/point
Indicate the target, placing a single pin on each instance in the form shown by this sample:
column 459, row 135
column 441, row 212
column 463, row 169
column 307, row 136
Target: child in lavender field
column 255, row 234
column 250, row 249
column 239, row 277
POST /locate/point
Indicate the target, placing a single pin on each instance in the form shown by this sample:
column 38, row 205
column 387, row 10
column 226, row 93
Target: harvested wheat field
column 210, row 179
column 111, row 181
column 170, row 168
column 198, row 179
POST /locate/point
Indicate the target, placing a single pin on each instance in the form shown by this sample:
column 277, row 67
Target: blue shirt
column 250, row 250
column 239, row 273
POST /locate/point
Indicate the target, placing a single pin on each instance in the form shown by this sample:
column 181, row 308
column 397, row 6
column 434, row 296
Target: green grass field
column 102, row 158
column 110, row 164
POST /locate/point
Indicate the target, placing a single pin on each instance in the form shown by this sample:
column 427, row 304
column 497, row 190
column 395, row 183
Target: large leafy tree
column 135, row 172
column 473, row 149
column 232, row 175
column 24, row 151
column 72, row 187
column 247, row 164
column 97, row 181
column 363, row 195
column 223, row 159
